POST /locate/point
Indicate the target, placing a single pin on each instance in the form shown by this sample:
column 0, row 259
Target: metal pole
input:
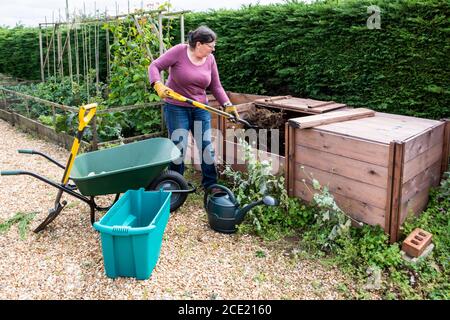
column 96, row 43
column 182, row 27
column 41, row 54
column 54, row 46
column 161, row 51
column 60, row 64
column 107, row 49
column 47, row 46
column 89, row 48
column 83, row 40
column 86, row 61
column 69, row 47
column 161, row 45
column 94, row 142
column 77, row 58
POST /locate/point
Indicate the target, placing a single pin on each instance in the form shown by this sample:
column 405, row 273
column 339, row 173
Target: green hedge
column 19, row 52
column 325, row 51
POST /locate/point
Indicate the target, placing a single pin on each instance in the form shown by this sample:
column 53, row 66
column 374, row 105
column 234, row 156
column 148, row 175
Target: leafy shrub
column 252, row 185
column 325, row 51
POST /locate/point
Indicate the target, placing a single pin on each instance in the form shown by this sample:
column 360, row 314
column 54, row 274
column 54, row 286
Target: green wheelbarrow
column 115, row 170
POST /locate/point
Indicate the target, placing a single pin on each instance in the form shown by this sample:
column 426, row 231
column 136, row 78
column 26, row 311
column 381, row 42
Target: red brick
column 416, row 242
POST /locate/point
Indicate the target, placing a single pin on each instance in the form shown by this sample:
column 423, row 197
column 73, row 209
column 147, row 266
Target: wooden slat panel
column 430, row 177
column 331, row 117
column 308, row 106
column 360, row 191
column 423, row 141
column 235, row 157
column 7, row 116
column 395, row 129
column 416, row 205
column 358, row 128
column 423, row 161
column 354, row 148
column 430, row 122
column 244, row 109
column 406, row 122
column 239, row 98
column 324, row 109
column 358, row 210
column 214, row 121
column 358, row 132
column 192, row 156
column 343, row 166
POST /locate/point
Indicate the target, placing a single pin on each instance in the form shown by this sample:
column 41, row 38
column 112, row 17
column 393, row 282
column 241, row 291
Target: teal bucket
column 132, row 231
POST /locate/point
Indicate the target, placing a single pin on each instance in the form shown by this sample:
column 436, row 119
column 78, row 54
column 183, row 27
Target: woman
column 192, row 69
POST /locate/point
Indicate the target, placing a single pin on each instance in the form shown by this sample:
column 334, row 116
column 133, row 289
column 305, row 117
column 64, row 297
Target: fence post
column 28, row 108
column 41, row 54
column 4, row 99
column 54, row 116
column 94, row 143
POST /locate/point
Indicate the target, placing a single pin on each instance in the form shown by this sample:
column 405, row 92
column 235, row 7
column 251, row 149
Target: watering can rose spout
column 267, row 200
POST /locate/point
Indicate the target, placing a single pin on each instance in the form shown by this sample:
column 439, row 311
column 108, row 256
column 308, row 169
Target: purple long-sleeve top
column 186, row 78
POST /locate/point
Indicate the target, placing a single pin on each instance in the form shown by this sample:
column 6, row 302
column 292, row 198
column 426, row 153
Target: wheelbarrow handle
column 27, row 151
column 11, row 172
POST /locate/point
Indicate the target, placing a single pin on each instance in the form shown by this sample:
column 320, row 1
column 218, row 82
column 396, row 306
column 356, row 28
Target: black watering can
column 223, row 210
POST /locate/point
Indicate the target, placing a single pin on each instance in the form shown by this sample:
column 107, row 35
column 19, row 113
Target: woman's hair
column 202, row 34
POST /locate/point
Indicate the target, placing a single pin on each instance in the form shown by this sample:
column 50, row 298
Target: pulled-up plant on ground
column 252, row 185
column 22, row 219
column 330, row 221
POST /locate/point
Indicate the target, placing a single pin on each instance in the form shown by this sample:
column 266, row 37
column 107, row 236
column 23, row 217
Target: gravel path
column 65, row 260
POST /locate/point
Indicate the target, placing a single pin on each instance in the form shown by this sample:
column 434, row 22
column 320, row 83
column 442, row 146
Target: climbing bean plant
column 136, row 43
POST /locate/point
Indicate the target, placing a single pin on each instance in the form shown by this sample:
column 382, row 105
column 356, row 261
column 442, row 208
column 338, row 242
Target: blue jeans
column 181, row 120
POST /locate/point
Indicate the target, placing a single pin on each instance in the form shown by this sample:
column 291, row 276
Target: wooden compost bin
column 232, row 151
column 378, row 168
column 242, row 101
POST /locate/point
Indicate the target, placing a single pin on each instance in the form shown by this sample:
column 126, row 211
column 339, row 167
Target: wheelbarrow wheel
column 171, row 180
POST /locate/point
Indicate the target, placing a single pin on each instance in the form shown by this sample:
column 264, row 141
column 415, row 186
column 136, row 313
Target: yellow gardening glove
column 161, row 89
column 229, row 108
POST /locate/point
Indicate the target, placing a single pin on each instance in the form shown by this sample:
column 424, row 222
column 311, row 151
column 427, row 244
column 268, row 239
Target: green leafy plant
column 22, row 219
column 330, row 222
column 252, row 185
column 368, row 248
column 136, row 43
column 401, row 68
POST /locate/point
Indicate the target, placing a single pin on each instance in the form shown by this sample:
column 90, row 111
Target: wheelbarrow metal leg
column 92, row 205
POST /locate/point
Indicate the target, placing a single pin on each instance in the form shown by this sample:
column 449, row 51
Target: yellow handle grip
column 176, row 96
column 84, row 118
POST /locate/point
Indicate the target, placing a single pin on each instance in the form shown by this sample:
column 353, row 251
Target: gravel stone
column 65, row 260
